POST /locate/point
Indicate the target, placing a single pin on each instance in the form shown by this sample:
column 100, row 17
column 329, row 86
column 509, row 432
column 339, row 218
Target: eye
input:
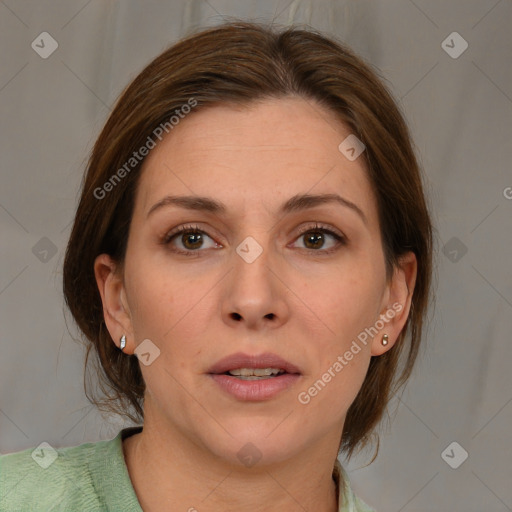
column 316, row 238
column 191, row 239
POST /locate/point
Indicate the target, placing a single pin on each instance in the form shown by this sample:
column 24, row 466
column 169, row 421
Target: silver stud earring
column 385, row 339
column 123, row 342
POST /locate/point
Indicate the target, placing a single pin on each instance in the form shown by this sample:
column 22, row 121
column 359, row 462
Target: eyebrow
column 296, row 203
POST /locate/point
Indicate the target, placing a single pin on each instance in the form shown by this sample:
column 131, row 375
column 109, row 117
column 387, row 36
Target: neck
column 171, row 473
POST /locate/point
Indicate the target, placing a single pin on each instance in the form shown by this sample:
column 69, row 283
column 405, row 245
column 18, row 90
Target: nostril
column 236, row 316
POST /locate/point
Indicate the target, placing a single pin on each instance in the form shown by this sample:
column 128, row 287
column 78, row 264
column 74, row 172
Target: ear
column 396, row 303
column 113, row 296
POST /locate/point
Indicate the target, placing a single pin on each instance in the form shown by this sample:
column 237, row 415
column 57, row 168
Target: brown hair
column 238, row 63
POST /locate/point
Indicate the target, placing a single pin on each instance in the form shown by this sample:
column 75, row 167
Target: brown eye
column 188, row 240
column 193, row 238
column 316, row 237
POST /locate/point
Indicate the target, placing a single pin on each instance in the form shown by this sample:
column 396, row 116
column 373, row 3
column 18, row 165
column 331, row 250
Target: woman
column 252, row 228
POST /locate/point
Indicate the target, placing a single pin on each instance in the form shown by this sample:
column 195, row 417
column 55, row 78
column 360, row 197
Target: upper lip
column 241, row 360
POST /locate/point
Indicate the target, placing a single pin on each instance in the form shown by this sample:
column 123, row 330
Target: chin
column 258, row 444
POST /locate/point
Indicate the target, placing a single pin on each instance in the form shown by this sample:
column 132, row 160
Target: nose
column 255, row 296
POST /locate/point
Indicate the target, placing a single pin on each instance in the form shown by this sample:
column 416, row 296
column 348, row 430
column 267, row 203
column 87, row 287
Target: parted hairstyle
column 237, row 63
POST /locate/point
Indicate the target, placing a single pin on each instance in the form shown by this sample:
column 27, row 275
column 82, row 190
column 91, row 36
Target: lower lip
column 254, row 390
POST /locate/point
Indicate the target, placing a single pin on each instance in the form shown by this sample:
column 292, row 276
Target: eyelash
column 194, row 229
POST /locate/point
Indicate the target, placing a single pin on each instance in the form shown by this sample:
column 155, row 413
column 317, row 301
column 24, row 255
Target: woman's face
column 269, row 273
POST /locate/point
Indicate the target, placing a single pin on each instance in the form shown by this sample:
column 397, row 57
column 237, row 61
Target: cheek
column 351, row 303
column 327, row 397
column 150, row 300
column 348, row 305
column 347, row 301
column 160, row 298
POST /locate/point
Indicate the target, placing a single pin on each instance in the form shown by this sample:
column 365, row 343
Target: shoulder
column 71, row 478
column 44, row 477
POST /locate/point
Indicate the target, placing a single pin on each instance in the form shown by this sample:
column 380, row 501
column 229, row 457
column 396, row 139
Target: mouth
column 252, row 367
column 254, row 378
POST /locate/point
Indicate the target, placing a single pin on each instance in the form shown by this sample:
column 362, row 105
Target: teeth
column 252, row 377
column 255, row 372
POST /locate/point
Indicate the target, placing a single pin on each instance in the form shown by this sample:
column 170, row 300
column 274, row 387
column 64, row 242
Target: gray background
column 460, row 113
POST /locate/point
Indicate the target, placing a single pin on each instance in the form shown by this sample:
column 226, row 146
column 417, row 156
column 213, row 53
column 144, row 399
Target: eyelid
column 316, row 225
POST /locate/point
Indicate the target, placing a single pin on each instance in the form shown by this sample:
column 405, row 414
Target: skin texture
column 295, row 300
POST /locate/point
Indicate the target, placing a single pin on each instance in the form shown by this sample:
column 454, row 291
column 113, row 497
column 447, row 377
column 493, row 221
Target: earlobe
column 115, row 308
column 398, row 305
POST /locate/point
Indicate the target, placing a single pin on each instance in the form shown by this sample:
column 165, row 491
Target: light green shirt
column 92, row 477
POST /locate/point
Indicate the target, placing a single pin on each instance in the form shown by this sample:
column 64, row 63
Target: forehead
column 255, row 156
